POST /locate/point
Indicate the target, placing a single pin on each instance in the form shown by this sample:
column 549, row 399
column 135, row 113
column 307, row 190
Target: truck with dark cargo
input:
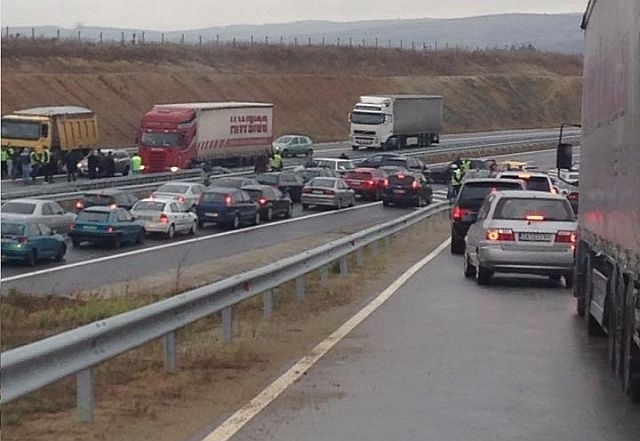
column 395, row 121
column 607, row 268
column 179, row 136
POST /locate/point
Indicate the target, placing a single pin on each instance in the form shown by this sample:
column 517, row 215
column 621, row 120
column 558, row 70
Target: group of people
column 269, row 162
column 100, row 165
column 28, row 164
column 459, row 168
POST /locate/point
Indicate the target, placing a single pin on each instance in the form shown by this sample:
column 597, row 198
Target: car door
column 60, row 219
column 176, row 212
column 476, row 231
column 124, row 224
column 47, row 215
column 277, row 200
column 249, row 207
column 47, row 243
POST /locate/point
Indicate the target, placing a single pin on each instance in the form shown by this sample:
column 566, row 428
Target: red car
column 368, row 182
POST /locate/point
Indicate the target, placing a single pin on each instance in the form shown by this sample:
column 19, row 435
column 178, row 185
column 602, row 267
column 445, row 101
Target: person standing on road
column 35, row 159
column 456, row 182
column 72, row 165
column 92, row 163
column 47, row 166
column 25, row 165
column 110, row 165
column 136, row 164
column 16, row 170
column 4, row 156
column 276, row 161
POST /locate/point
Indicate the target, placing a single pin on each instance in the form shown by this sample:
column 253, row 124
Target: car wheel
column 256, row 220
column 378, row 195
column 555, row 278
column 194, row 228
column 75, row 242
column 269, row 216
column 289, row 212
column 60, row 254
column 285, row 153
column 420, row 202
column 568, row 280
column 457, row 246
column 235, row 223
column 483, row 275
column 469, row 269
column 309, row 152
column 200, row 223
column 32, row 258
column 140, row 237
column 339, row 206
column 171, row 232
column 353, row 201
column 305, row 207
column 125, row 172
column 117, row 242
column 385, row 203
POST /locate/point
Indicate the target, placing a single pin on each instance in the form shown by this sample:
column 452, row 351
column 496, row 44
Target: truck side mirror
column 564, row 156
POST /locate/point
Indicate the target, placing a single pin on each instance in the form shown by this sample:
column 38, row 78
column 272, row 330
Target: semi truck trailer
column 608, row 247
column 179, row 136
column 394, row 121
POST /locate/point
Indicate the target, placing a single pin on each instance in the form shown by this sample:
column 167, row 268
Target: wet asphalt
column 446, row 360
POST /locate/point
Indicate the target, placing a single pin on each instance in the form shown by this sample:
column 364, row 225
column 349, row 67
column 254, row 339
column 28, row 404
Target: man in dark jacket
column 92, row 164
column 72, row 165
column 110, row 165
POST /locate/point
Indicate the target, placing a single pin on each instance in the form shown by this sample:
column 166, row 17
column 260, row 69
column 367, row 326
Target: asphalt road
column 447, row 360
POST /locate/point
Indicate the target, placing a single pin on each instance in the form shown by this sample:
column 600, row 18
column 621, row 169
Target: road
column 444, row 359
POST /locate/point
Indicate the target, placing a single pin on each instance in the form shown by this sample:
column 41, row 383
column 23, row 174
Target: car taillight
column 113, row 206
column 386, row 183
column 306, row 190
column 23, row 240
column 573, row 196
column 458, row 213
column 415, row 184
column 566, row 237
column 164, row 218
column 371, row 182
column 79, row 205
column 262, row 200
column 109, row 229
column 228, row 200
column 495, row 234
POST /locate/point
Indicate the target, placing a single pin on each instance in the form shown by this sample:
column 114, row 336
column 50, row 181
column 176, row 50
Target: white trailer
column 608, row 249
column 395, row 121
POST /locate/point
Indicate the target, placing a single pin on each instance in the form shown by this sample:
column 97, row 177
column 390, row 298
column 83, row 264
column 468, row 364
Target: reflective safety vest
column 136, row 162
column 466, row 165
column 276, row 161
column 456, row 177
column 35, row 158
column 46, row 156
column 4, row 155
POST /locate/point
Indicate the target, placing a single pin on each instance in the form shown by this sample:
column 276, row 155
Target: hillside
column 313, row 88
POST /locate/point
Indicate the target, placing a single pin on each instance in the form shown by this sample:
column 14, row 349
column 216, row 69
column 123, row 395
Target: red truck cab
column 166, row 139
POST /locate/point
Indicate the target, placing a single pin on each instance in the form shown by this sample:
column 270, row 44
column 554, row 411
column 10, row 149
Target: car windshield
column 363, row 175
column 367, row 118
column 322, row 182
column 215, row 197
column 10, row 229
column 161, row 139
column 267, row 179
column 254, row 194
column 172, row 188
column 284, row 140
column 401, row 179
column 19, row 208
column 20, row 129
column 472, row 194
column 227, row 182
column 534, row 183
column 148, row 206
column 541, row 209
column 93, row 216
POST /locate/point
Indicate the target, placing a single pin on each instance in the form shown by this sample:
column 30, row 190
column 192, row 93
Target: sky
column 171, row 15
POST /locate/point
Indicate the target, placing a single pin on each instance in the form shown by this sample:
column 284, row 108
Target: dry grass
column 213, row 378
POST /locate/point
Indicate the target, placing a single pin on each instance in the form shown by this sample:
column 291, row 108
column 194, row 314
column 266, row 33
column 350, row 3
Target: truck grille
column 364, row 132
column 157, row 161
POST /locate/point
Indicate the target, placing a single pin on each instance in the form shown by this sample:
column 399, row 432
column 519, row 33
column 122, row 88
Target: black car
column 442, row 174
column 395, row 160
column 465, row 209
column 232, row 182
column 407, row 188
column 107, row 197
column 271, row 201
column 285, row 181
column 309, row 173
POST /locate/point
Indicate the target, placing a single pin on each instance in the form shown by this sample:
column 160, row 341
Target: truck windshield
column 367, row 118
column 20, row 129
column 161, row 139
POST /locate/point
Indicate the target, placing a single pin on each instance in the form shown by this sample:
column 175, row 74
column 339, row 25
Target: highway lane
column 446, row 360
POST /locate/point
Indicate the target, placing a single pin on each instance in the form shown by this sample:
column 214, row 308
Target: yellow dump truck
column 60, row 129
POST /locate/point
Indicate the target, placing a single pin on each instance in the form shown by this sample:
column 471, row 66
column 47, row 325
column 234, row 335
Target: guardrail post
column 267, row 303
column 324, row 275
column 359, row 257
column 375, row 247
column 170, row 353
column 344, row 268
column 227, row 324
column 300, row 288
column 85, row 394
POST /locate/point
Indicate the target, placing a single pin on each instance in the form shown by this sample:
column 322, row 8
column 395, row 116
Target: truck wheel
column 285, row 153
column 60, row 254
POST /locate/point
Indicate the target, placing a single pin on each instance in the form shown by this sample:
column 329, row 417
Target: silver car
column 327, row 191
column 526, row 232
column 341, row 166
column 165, row 216
column 186, row 193
column 40, row 211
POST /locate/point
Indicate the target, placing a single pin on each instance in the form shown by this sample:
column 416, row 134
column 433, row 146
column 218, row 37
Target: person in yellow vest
column 456, row 181
column 276, row 161
column 47, row 166
column 4, row 156
column 136, row 164
column 36, row 161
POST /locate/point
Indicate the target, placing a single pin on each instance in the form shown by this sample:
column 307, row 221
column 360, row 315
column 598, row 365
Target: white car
column 341, row 166
column 49, row 213
column 186, row 193
column 165, row 216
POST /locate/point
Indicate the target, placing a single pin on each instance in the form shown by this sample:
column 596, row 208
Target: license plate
column 399, row 191
column 535, row 237
column 317, row 192
column 212, row 214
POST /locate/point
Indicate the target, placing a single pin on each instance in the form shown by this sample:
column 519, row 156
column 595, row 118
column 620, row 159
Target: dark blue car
column 114, row 226
column 30, row 241
column 227, row 206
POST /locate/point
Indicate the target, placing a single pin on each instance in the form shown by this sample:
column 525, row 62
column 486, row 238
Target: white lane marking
column 242, row 416
column 175, row 244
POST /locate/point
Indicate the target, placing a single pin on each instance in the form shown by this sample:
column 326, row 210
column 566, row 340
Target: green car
column 30, row 241
column 112, row 225
column 294, row 145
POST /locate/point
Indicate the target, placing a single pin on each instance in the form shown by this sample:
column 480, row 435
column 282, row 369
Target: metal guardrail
column 30, row 367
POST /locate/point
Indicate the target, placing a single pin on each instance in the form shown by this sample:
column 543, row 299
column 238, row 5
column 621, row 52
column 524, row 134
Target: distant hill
column 557, row 33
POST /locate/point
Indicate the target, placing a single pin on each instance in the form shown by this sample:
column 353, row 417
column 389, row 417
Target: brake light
column 415, row 184
column 535, row 217
column 113, row 206
column 262, row 200
column 566, row 237
column 458, row 213
column 164, row 218
column 386, row 183
column 573, row 196
column 23, row 240
column 228, row 200
column 371, row 182
column 109, row 229
column 79, row 205
column 400, row 176
column 306, row 190
column 500, row 234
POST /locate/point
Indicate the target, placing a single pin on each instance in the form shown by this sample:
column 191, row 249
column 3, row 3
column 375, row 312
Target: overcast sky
column 168, row 15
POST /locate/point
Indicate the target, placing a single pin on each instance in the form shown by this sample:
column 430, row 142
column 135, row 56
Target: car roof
column 332, row 159
column 154, row 199
column 325, row 177
column 528, row 194
column 28, row 200
column 256, row 187
column 107, row 191
column 214, row 189
column 178, row 183
column 101, row 209
column 491, row 180
column 363, row 169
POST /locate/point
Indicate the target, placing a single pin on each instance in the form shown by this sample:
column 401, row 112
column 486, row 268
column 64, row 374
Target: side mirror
column 564, row 153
